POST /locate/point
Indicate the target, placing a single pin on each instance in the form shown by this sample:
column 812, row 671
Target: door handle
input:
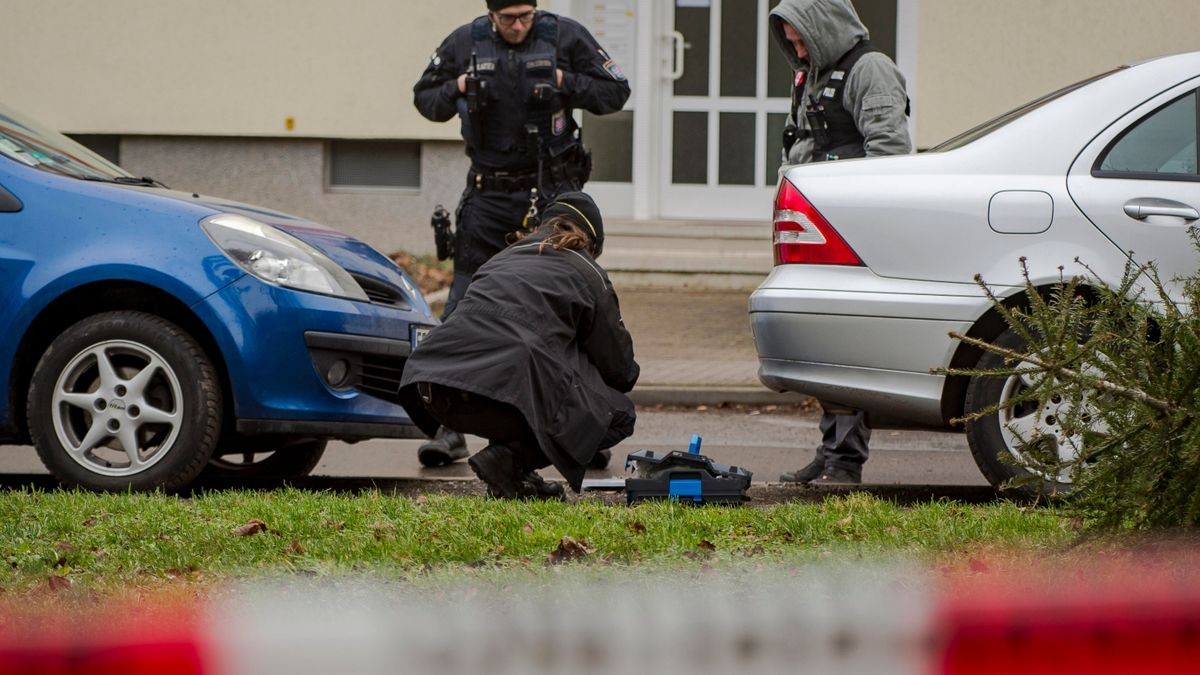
column 1144, row 207
column 678, row 43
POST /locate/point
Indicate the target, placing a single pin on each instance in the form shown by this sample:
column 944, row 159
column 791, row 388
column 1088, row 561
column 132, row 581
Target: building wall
column 288, row 174
column 979, row 58
column 225, row 67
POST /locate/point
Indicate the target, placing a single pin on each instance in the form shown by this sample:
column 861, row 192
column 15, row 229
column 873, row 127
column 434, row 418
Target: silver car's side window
column 1160, row 145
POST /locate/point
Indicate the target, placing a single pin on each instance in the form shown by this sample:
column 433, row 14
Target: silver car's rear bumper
column 847, row 336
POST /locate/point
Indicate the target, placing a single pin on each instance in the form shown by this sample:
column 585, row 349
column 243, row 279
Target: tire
column 122, row 380
column 996, row 439
column 266, row 459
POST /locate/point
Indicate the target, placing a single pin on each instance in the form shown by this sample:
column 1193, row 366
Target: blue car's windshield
column 29, row 143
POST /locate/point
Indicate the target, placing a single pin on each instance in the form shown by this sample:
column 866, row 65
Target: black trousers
column 486, row 222
column 503, row 424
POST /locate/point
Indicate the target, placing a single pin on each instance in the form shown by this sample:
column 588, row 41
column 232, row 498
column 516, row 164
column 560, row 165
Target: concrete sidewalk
column 684, row 288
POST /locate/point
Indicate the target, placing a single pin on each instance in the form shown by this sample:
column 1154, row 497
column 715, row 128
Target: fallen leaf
column 570, row 549
column 295, row 548
column 706, row 545
column 383, row 530
column 90, row 521
column 58, row 583
column 252, row 526
column 638, row 526
column 64, row 547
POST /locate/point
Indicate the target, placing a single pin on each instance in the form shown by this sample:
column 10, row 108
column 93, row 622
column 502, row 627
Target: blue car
column 150, row 335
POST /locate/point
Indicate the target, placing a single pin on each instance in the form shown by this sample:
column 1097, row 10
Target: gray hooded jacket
column 874, row 92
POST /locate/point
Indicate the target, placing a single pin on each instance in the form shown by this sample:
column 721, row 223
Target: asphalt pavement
column 691, row 333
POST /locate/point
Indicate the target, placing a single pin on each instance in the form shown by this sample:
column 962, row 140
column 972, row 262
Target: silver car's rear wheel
column 1030, row 447
column 124, row 400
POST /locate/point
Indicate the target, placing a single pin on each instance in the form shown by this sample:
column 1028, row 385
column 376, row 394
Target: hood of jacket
column 830, row 28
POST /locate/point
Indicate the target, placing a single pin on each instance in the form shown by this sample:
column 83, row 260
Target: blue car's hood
column 351, row 254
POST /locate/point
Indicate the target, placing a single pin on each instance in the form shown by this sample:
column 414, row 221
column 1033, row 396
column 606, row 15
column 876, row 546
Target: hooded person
column 848, row 97
column 535, row 358
column 848, row 101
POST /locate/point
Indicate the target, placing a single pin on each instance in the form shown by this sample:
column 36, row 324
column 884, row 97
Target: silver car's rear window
column 997, row 122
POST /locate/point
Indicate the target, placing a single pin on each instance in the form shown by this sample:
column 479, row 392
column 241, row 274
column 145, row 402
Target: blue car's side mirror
column 8, row 202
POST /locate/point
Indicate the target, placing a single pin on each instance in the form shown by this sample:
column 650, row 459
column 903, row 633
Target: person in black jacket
column 535, row 358
column 513, row 77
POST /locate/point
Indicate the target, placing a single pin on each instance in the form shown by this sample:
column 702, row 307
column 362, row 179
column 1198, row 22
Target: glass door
column 725, row 101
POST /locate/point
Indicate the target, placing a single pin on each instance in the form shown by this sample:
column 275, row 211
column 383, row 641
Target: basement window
column 373, row 165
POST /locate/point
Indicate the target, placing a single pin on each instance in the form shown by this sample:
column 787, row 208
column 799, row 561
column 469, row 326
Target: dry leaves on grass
column 58, row 583
column 570, row 549
column 252, row 526
column 429, row 278
column 383, row 531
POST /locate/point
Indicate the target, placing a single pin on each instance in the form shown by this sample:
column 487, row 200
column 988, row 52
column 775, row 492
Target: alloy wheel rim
column 1023, row 423
column 117, row 408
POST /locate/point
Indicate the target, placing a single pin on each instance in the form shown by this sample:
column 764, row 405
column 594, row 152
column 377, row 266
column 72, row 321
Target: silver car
column 875, row 258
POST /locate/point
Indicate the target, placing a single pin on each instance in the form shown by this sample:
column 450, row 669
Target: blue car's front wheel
column 125, row 400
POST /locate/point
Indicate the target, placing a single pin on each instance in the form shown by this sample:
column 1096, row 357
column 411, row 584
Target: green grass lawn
column 109, row 542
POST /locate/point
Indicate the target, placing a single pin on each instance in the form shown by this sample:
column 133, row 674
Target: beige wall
column 979, row 58
column 340, row 68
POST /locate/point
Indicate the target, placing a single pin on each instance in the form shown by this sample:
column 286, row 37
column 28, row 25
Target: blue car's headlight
column 279, row 258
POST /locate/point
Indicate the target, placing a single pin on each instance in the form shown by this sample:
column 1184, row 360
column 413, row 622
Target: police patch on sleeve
column 614, row 70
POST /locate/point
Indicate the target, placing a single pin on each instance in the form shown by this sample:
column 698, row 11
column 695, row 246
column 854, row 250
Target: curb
column 692, row 395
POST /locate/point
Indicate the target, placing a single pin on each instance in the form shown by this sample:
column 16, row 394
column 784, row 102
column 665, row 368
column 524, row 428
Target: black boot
column 534, row 486
column 839, row 475
column 445, row 447
column 601, row 459
column 496, row 467
column 809, row 473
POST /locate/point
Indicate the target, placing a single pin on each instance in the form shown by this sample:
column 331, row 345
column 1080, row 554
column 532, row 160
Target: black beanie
column 496, row 5
column 579, row 208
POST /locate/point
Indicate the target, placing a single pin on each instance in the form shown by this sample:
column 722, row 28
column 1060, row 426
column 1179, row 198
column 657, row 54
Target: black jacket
column 496, row 136
column 539, row 331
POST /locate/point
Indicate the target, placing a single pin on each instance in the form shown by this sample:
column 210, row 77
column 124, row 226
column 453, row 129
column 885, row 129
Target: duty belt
column 502, row 181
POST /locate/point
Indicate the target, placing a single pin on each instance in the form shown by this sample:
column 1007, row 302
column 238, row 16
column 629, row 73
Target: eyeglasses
column 507, row 20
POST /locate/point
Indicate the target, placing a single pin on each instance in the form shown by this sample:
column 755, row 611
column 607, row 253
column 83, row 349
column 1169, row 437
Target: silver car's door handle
column 1144, row 207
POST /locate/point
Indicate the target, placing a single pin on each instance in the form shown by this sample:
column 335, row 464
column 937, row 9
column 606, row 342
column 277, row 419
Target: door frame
column 645, row 197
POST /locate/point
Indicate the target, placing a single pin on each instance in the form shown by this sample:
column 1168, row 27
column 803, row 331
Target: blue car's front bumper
column 279, row 346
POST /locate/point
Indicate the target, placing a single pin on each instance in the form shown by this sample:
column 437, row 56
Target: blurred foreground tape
column 1139, row 614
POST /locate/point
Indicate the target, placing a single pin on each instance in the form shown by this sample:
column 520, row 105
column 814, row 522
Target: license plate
column 419, row 334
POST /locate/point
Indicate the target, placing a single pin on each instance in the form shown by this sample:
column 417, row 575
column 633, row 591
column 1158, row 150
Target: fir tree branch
column 1068, row 374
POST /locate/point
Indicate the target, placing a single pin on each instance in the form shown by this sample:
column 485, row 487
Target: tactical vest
column 834, row 131
column 505, row 127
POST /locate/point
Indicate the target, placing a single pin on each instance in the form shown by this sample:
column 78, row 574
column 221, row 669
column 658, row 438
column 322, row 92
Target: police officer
column 513, row 77
column 848, row 101
column 535, row 358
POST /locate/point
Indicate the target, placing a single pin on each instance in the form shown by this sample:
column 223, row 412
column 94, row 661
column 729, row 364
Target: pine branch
column 1068, row 374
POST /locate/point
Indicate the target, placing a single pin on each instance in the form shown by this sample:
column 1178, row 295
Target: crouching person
column 534, row 358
